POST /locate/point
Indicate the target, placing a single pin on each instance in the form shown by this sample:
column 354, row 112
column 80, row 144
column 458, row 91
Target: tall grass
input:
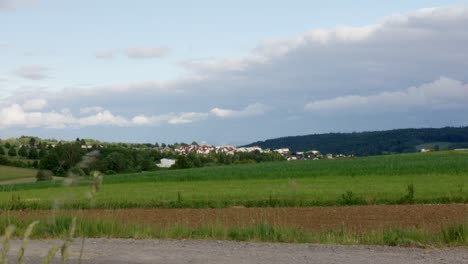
column 11, row 229
column 456, row 235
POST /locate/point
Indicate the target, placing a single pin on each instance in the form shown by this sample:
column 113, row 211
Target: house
column 282, row 151
column 425, row 150
column 166, row 163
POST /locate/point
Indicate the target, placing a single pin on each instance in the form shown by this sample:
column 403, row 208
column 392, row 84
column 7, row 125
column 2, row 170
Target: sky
column 229, row 73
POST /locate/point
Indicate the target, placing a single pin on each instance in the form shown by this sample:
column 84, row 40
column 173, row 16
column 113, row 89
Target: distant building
column 425, row 150
column 282, row 151
column 166, row 163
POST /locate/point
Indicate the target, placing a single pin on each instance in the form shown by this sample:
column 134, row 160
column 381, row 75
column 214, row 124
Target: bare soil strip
column 116, row 251
column 354, row 218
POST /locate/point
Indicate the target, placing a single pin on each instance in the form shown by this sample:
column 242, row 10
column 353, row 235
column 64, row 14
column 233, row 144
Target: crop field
column 297, row 201
column 413, row 178
column 400, row 179
column 12, row 173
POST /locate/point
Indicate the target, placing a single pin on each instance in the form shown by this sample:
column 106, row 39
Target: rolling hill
column 374, row 143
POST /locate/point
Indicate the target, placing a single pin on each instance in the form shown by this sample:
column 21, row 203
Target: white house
column 282, row 151
column 166, row 163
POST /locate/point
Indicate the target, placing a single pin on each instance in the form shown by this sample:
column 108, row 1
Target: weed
column 455, row 234
column 349, row 198
column 409, row 197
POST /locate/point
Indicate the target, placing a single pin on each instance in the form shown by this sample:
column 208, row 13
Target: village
column 228, row 149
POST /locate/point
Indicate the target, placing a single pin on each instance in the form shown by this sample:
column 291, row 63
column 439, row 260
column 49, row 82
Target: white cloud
column 29, row 116
column 185, row 118
column 251, row 110
column 15, row 116
column 104, row 118
column 104, row 54
column 146, row 53
column 34, row 104
column 32, row 72
column 91, row 109
column 444, row 93
column 6, row 5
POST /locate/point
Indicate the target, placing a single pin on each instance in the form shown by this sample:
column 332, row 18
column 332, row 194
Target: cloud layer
column 146, row 53
column 444, row 93
column 32, row 72
column 31, row 114
column 402, row 67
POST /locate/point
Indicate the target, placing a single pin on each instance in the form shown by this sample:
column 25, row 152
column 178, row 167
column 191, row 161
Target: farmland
column 435, row 178
column 12, row 173
column 281, row 195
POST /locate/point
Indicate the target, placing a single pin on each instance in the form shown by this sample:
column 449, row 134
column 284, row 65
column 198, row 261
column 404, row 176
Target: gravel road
column 107, row 251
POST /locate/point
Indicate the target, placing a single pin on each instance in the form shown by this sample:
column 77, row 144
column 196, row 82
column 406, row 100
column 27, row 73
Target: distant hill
column 374, row 143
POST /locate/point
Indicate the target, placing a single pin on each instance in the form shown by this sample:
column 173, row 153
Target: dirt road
column 107, row 251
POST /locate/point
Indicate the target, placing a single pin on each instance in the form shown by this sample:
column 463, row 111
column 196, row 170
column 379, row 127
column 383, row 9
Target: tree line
column 372, row 143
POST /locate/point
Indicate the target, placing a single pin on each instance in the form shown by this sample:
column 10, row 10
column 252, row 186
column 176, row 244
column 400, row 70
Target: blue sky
column 229, row 72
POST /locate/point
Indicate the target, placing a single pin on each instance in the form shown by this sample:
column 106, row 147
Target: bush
column 76, row 171
column 44, row 175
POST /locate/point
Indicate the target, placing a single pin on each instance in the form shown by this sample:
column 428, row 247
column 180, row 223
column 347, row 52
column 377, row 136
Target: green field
column 438, row 177
column 11, row 173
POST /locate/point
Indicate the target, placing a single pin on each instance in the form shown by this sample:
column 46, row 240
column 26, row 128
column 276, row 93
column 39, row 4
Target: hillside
column 374, row 143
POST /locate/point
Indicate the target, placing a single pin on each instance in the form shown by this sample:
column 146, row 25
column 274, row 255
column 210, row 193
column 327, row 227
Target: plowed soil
column 356, row 218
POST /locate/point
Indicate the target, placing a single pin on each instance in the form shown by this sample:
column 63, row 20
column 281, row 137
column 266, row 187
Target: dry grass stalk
column 24, row 244
column 68, row 241
column 6, row 243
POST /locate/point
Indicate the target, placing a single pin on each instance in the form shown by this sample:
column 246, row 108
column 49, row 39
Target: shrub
column 409, row 197
column 44, row 175
column 75, row 171
column 349, row 198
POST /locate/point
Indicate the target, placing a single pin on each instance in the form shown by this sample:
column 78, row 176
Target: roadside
column 107, row 251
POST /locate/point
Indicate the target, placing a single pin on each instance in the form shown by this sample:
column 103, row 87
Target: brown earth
column 356, row 218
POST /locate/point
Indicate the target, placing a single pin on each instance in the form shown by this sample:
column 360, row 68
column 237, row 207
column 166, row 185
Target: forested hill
column 374, row 143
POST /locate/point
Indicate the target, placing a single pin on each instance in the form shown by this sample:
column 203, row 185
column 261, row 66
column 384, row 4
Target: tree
column 32, row 142
column 2, row 150
column 44, row 175
column 194, row 143
column 12, row 152
column 50, row 162
column 182, row 163
column 33, row 153
column 117, row 162
column 7, row 145
column 23, row 152
column 42, row 153
column 69, row 155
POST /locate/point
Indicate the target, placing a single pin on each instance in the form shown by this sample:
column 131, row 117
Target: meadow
column 438, row 177
column 12, row 173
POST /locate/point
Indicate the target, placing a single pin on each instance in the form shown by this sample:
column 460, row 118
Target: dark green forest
column 374, row 143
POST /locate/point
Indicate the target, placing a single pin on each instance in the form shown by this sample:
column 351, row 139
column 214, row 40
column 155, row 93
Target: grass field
column 439, row 177
column 12, row 173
